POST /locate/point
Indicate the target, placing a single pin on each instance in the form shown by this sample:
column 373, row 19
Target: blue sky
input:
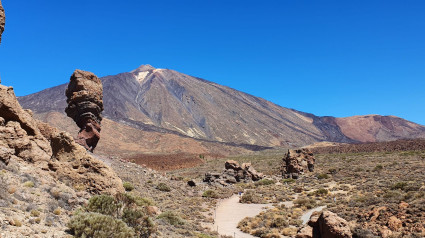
column 338, row 58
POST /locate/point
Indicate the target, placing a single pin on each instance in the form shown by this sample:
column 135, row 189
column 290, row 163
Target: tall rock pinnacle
column 2, row 20
column 85, row 105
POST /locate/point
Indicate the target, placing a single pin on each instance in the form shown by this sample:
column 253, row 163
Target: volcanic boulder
column 297, row 162
column 84, row 97
column 2, row 20
column 234, row 173
column 326, row 225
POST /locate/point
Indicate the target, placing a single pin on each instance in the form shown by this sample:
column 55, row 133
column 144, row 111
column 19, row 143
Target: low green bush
column 96, row 225
column 209, row 194
column 264, row 182
column 163, row 187
column 171, row 218
column 128, row 186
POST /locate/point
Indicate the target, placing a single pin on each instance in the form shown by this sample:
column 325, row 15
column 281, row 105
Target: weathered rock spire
column 85, row 105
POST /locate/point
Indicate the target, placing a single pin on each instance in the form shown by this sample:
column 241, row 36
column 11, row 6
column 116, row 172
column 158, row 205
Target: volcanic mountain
column 168, row 102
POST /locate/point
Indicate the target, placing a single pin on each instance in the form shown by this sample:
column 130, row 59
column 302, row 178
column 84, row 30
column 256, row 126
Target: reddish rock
column 85, row 105
column 330, row 225
column 297, row 162
column 305, row 232
column 394, row 223
column 403, row 205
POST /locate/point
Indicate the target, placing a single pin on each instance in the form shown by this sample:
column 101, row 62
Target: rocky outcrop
column 327, row 225
column 72, row 164
column 19, row 135
column 2, row 20
column 85, row 105
column 297, row 162
column 25, row 140
column 234, row 173
column 330, row 225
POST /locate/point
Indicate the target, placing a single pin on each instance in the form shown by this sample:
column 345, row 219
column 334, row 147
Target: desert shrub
column 393, row 196
column 323, row 176
column 209, row 194
column 123, row 211
column 139, row 221
column 263, row 182
column 321, row 191
column 288, row 180
column 29, row 184
column 171, row 218
column 332, row 171
column 57, row 211
column 378, row 167
column 35, row 213
column 91, row 224
column 103, row 204
column 128, row 186
column 250, row 197
column 163, row 187
column 305, row 202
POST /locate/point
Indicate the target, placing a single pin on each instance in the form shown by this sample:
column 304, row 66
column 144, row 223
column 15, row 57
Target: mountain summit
column 165, row 100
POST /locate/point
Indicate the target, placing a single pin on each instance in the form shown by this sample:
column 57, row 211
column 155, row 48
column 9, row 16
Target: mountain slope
column 163, row 100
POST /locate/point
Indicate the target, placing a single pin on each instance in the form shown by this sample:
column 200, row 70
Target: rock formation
column 25, row 140
column 297, row 162
column 84, row 97
column 2, row 20
column 234, row 173
column 327, row 225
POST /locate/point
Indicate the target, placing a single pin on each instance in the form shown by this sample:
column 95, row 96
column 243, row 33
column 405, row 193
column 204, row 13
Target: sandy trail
column 230, row 212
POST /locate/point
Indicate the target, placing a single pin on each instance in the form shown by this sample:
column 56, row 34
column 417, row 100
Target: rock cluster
column 85, row 105
column 325, row 225
column 2, row 20
column 25, row 140
column 297, row 162
column 234, row 173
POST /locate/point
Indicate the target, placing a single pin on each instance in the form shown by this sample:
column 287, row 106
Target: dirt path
column 230, row 212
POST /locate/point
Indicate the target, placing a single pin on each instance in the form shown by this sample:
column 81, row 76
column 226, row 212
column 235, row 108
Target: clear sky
column 338, row 58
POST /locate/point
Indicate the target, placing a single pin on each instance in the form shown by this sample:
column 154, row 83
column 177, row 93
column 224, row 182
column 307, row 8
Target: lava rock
column 85, row 105
column 297, row 162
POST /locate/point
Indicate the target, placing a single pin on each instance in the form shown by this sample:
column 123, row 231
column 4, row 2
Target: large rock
column 19, row 134
column 297, row 162
column 85, row 105
column 72, row 164
column 330, row 225
column 2, row 20
column 25, row 140
column 234, row 173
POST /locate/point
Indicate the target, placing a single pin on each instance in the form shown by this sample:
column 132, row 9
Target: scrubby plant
column 96, row 225
column 288, row 180
column 29, row 184
column 305, row 202
column 163, row 187
column 57, row 211
column 35, row 213
column 250, row 197
column 128, row 186
column 171, row 218
column 323, row 176
column 125, row 212
column 378, row 167
column 103, row 204
column 263, row 182
column 209, row 194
